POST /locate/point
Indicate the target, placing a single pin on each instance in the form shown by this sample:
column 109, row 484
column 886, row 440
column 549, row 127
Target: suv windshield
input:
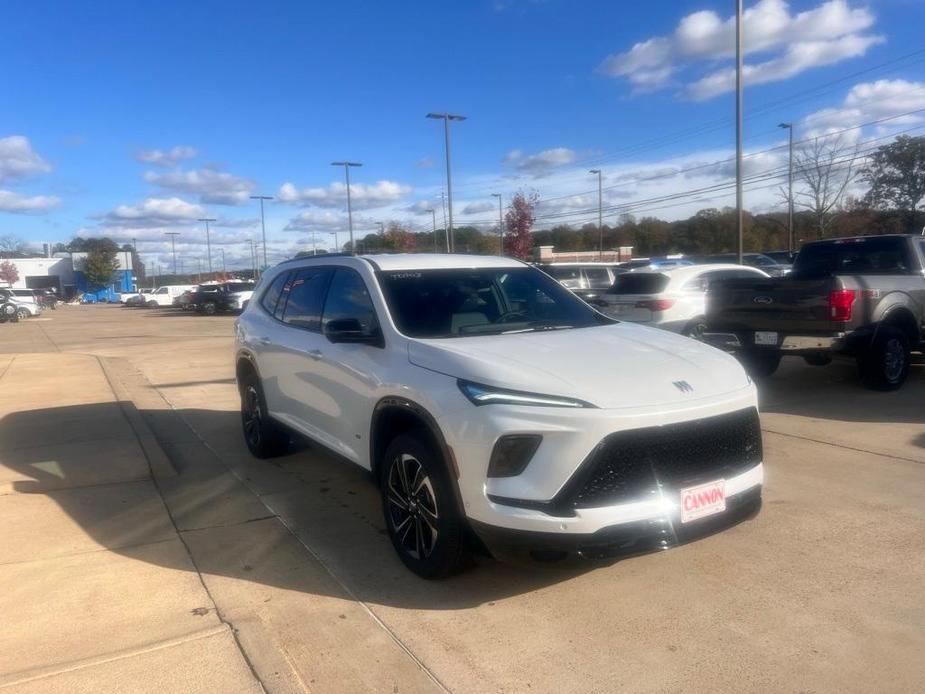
column 482, row 301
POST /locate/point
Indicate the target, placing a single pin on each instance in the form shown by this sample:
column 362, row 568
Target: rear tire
column 427, row 529
column 151, row 304
column 264, row 437
column 209, row 308
column 22, row 313
column 885, row 363
column 759, row 365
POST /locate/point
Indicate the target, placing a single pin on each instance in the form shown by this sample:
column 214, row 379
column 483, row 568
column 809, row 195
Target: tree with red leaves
column 8, row 272
column 518, row 222
column 397, row 238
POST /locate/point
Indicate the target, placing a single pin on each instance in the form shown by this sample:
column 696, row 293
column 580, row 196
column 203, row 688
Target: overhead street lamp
column 600, row 213
column 208, row 240
column 500, row 225
column 263, row 226
column 173, row 247
column 381, row 228
column 347, row 165
column 789, row 128
column 223, row 259
column 739, row 52
column 446, row 118
column 433, row 214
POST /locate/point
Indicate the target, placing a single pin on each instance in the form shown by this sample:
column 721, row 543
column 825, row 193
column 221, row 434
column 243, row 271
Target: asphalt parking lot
column 143, row 544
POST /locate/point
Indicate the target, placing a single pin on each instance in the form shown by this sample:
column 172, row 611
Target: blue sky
column 132, row 119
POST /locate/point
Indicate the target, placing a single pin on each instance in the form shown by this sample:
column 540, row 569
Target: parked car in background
column 672, row 299
column 781, row 257
column 475, row 390
column 164, row 296
column 139, row 299
column 25, row 302
column 44, row 298
column 758, row 260
column 577, row 276
column 220, row 297
column 863, row 297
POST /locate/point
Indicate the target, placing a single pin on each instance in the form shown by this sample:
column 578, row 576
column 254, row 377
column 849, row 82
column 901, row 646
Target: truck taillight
column 656, row 304
column 840, row 303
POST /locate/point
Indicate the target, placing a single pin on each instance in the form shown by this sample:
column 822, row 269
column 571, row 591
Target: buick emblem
column 763, row 300
column 683, row 386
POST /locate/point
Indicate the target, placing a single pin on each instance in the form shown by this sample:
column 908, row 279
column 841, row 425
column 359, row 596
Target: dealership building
column 64, row 273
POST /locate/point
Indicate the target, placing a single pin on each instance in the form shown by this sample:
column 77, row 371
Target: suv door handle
column 315, row 354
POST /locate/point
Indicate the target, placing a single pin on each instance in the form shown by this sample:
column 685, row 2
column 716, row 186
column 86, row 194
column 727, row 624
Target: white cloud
column 154, row 212
column 363, row 196
column 24, row 204
column 425, row 163
column 18, row 160
column 213, row 187
column 318, row 220
column 793, row 43
column 479, row 207
column 421, row 207
column 867, row 102
column 541, row 163
column 166, row 158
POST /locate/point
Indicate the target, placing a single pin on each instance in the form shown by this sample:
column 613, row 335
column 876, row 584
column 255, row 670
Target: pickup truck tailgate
column 785, row 305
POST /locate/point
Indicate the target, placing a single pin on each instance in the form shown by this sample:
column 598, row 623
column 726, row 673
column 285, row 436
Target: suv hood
column 615, row 366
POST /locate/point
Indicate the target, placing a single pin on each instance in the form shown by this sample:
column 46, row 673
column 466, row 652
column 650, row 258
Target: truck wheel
column 151, row 304
column 759, row 365
column 885, row 364
column 421, row 515
column 209, row 308
column 818, row 359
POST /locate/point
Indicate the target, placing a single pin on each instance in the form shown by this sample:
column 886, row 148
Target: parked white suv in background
column 26, row 304
column 485, row 396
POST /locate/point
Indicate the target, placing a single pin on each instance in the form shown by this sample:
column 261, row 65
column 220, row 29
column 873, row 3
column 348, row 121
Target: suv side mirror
column 349, row 330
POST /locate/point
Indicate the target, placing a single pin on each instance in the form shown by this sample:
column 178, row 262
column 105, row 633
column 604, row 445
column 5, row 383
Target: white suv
column 486, row 397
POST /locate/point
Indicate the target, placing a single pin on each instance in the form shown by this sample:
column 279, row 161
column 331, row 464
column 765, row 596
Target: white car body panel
column 165, row 294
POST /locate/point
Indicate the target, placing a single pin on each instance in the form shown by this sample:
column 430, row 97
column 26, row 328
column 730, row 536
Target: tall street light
column 600, row 213
column 263, row 226
column 739, row 51
column 381, row 228
column 433, row 214
column 789, row 128
column 208, row 241
column 347, row 165
column 173, row 247
column 223, row 259
column 446, row 118
column 500, row 225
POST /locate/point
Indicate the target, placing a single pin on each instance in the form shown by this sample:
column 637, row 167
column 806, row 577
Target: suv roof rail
column 320, row 255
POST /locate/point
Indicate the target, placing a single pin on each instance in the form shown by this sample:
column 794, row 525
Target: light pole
column 223, row 259
column 433, row 214
column 347, row 165
column 500, row 225
column 263, row 226
column 789, row 128
column 600, row 213
column 199, row 274
column 381, row 228
column 446, row 118
column 208, row 241
column 739, row 50
column 173, row 247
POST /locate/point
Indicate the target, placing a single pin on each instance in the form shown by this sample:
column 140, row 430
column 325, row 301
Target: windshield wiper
column 537, row 328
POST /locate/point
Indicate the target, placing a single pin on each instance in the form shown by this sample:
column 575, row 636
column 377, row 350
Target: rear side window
column 639, row 283
column 271, row 296
column 349, row 298
column 563, row 272
column 598, row 276
column 306, row 296
column 866, row 256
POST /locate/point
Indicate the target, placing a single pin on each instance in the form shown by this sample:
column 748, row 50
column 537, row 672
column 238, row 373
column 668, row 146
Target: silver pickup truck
column 863, row 297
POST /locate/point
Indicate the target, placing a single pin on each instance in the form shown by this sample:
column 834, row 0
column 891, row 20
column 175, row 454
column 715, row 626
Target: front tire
column 885, row 364
column 151, row 304
column 423, row 520
column 22, row 313
column 209, row 308
column 759, row 365
column 264, row 437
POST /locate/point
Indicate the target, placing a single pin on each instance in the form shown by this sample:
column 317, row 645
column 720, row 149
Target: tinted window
column 563, row 272
column 239, row 286
column 869, row 255
column 483, row 301
column 271, row 295
column 597, row 276
column 306, row 294
column 639, row 283
column 349, row 298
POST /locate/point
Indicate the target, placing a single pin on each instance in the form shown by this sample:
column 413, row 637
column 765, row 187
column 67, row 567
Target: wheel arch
column 902, row 317
column 245, row 364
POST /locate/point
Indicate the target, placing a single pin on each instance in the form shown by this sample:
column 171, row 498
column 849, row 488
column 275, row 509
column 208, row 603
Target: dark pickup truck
column 863, row 297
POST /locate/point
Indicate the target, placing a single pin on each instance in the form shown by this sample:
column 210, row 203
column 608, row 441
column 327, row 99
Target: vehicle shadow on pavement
column 247, row 519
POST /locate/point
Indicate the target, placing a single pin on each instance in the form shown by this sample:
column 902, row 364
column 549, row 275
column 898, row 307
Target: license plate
column 765, row 338
column 621, row 308
column 703, row 500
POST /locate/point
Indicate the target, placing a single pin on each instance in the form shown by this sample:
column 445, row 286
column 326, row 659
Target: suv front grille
column 630, row 465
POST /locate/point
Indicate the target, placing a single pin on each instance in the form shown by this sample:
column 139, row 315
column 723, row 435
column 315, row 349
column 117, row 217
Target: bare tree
column 10, row 244
column 824, row 169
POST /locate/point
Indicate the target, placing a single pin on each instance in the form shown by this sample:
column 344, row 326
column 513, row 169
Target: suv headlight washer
column 480, row 395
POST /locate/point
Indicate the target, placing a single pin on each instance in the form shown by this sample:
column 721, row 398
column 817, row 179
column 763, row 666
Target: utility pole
column 739, row 86
column 347, row 165
column 381, row 228
column 445, row 232
column 446, row 118
column 173, row 247
column 199, row 274
column 208, row 241
column 223, row 260
column 254, row 259
column 600, row 213
column 789, row 128
column 500, row 225
column 263, row 226
column 433, row 214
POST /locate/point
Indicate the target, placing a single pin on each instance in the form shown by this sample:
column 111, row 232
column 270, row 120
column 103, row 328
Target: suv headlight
column 480, row 395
